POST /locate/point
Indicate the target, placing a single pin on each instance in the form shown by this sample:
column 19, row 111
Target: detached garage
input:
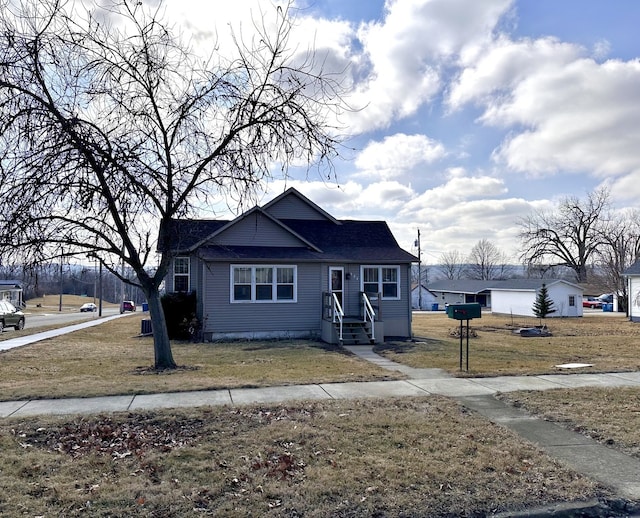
column 517, row 297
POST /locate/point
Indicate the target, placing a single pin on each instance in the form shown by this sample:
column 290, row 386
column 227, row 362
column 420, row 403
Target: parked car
column 10, row 316
column 127, row 305
column 88, row 307
column 591, row 302
column 606, row 298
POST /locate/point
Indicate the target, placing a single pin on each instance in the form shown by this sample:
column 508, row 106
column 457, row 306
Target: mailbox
column 464, row 311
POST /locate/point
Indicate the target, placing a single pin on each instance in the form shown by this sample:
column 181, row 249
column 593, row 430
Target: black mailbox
column 464, row 311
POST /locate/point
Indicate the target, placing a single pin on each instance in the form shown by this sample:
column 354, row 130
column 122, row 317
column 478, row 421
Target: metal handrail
column 369, row 314
column 338, row 313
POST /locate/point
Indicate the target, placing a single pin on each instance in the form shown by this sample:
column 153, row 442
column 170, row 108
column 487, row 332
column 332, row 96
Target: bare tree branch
column 487, row 262
column 570, row 236
column 111, row 127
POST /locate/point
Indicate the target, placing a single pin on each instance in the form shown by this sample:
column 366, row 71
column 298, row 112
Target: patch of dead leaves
column 104, row 435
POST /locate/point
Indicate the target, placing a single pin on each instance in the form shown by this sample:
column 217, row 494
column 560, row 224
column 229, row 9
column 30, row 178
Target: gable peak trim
column 249, row 213
column 293, row 191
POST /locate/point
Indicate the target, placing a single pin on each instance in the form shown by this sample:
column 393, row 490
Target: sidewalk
column 12, row 343
column 608, row 466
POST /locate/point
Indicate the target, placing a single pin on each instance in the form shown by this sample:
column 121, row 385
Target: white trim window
column 181, row 267
column 381, row 279
column 264, row 283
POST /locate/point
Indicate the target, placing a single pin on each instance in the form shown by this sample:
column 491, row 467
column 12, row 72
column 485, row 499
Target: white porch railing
column 369, row 315
column 338, row 314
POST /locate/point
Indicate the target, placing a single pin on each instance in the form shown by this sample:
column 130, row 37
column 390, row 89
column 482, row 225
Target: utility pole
column 61, row 284
column 419, row 271
column 100, row 300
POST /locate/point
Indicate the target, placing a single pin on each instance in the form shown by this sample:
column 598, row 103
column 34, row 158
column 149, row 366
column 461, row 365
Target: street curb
column 614, row 508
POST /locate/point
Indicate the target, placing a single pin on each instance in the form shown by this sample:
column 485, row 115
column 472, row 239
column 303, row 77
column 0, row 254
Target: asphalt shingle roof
column 350, row 240
column 478, row 286
column 187, row 233
column 634, row 269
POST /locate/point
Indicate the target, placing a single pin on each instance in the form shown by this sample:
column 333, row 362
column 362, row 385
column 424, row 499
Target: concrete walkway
column 12, row 343
column 608, row 466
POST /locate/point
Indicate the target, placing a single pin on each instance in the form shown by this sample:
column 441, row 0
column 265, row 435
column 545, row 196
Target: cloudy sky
column 475, row 112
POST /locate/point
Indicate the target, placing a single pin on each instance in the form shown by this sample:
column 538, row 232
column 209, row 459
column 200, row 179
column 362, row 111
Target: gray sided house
column 289, row 269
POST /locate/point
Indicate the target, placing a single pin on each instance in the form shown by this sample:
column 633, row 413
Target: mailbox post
column 464, row 312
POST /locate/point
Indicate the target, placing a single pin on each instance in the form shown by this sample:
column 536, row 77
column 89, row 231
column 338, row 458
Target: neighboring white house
column 461, row 291
column 633, row 289
column 517, row 297
column 511, row 296
column 11, row 290
column 422, row 298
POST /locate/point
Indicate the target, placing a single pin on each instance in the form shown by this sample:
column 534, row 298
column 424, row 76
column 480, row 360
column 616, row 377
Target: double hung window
column 384, row 280
column 264, row 283
column 181, row 274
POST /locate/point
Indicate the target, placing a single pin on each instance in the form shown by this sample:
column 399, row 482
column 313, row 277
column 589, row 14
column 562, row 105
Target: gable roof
column 634, row 269
column 321, row 238
column 351, row 241
column 184, row 234
column 246, row 215
column 11, row 283
column 471, row 286
column 530, row 284
column 283, row 198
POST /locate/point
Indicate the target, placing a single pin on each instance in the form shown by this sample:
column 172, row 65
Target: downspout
column 629, row 301
column 204, row 300
column 409, row 308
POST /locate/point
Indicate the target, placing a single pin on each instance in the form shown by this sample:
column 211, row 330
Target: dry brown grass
column 70, row 303
column 609, row 415
column 112, row 359
column 609, row 342
column 50, row 304
column 395, row 457
column 415, row 457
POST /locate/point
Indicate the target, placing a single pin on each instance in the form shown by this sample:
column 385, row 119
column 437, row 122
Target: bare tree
column 452, row 264
column 541, row 271
column 487, row 262
column 569, row 236
column 621, row 249
column 111, row 127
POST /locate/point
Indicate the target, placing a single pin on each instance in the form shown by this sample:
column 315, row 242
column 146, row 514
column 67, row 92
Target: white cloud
column 462, row 225
column 397, row 154
column 601, row 49
column 489, row 78
column 456, row 190
column 384, row 196
column 626, row 189
column 407, row 50
column 567, row 112
column 589, row 123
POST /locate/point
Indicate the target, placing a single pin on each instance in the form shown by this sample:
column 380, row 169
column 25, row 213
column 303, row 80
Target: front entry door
column 336, row 283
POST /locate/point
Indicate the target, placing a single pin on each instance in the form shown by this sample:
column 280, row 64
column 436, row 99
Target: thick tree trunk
column 161, row 344
column 581, row 273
